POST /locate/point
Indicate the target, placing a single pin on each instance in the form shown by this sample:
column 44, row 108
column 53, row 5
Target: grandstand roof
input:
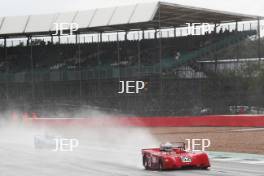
column 140, row 16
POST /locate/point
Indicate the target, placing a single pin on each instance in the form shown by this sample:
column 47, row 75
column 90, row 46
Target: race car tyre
column 146, row 163
column 204, row 168
column 161, row 165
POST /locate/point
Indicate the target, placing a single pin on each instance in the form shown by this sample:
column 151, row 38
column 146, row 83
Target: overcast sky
column 26, row 7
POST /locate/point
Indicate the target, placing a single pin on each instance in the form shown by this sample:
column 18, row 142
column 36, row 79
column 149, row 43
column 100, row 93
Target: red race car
column 173, row 156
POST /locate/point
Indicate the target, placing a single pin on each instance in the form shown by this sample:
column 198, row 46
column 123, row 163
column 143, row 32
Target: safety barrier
column 186, row 121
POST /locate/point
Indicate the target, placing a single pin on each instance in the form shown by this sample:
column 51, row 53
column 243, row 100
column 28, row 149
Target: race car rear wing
column 179, row 145
column 176, row 145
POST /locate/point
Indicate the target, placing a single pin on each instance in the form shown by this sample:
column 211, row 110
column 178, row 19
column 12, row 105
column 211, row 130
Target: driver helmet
column 167, row 147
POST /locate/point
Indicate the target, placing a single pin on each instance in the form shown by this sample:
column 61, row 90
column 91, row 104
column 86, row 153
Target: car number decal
column 186, row 159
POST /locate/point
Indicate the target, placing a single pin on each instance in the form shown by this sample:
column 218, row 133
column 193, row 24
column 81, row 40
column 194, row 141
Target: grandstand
column 148, row 42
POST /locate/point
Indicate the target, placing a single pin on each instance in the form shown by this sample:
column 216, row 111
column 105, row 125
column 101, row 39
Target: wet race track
column 104, row 151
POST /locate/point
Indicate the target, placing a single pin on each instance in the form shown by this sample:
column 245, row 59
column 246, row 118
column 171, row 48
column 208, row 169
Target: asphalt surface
column 112, row 157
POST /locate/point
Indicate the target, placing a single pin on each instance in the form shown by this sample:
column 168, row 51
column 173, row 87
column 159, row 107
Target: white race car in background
column 46, row 142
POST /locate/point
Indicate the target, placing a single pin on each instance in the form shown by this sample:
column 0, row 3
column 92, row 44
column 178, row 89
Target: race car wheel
column 146, row 163
column 204, row 168
column 161, row 165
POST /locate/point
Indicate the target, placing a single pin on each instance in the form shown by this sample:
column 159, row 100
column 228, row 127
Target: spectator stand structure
column 134, row 42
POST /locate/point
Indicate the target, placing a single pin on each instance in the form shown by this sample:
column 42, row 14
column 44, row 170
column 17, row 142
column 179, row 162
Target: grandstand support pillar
column 51, row 38
column 118, row 53
column 99, row 41
column 175, row 32
column 126, row 46
column 59, row 38
column 118, row 63
column 143, row 34
column 5, row 42
column 28, row 39
column 214, row 54
column 126, row 34
column 237, row 46
column 237, row 96
column 5, row 48
column 259, row 52
column 101, row 37
column 160, row 63
column 138, row 55
column 6, row 70
column 78, row 40
column 32, row 71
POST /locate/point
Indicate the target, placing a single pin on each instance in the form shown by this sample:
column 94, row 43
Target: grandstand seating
column 60, row 62
column 56, row 77
column 100, row 60
column 212, row 47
